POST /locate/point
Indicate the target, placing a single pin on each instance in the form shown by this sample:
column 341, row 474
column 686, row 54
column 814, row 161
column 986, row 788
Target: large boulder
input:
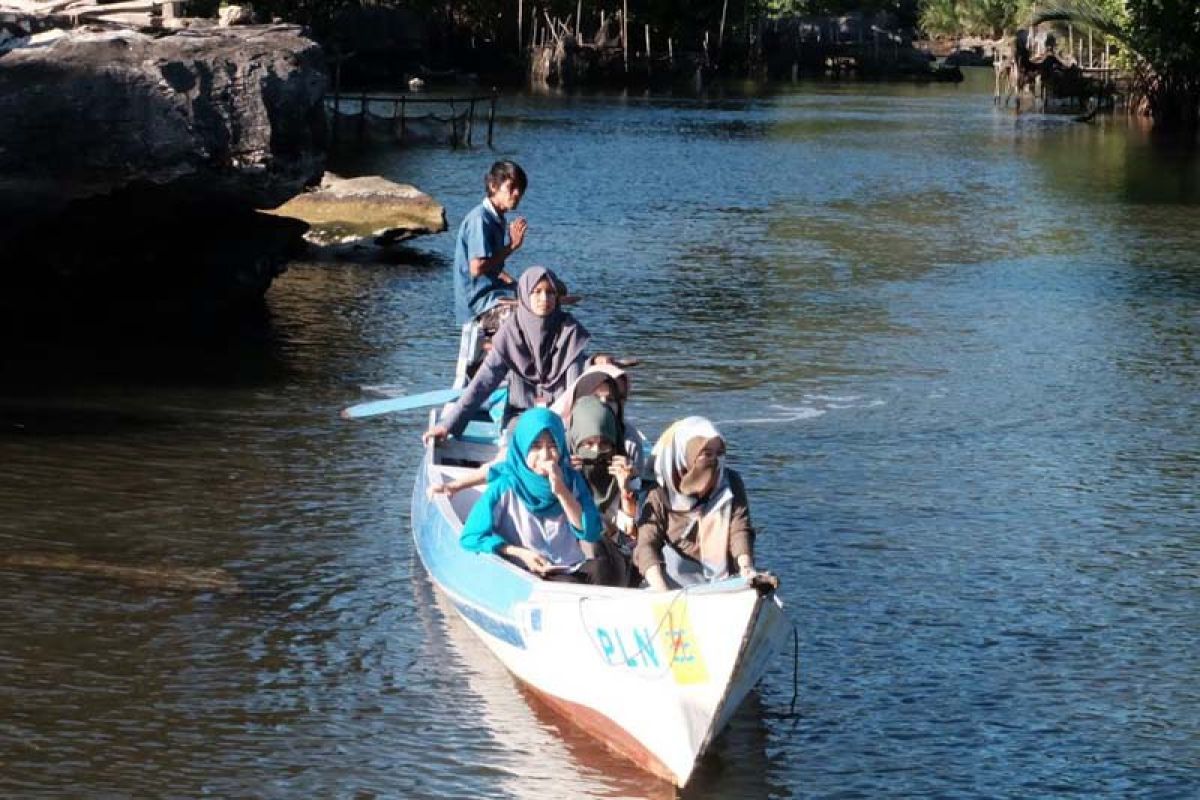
column 230, row 116
column 132, row 164
column 364, row 210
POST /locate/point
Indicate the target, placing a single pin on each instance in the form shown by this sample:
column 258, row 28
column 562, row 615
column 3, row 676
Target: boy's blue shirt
column 481, row 235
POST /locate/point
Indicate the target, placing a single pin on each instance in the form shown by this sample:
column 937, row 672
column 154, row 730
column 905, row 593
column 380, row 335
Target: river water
column 953, row 350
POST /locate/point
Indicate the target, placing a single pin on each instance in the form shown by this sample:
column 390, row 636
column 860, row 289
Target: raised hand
column 553, row 473
column 622, row 471
column 516, row 233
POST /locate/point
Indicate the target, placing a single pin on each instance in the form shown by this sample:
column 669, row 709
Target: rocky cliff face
column 170, row 137
column 227, row 115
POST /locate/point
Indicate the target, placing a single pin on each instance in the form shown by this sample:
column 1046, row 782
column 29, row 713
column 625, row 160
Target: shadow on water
column 144, row 576
column 54, row 420
column 1162, row 173
column 401, row 255
column 148, row 350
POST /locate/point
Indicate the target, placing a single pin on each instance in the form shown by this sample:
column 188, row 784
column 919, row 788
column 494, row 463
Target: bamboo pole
column 721, row 31
column 362, row 119
column 578, row 21
column 520, row 27
column 337, row 92
column 492, row 116
column 625, row 32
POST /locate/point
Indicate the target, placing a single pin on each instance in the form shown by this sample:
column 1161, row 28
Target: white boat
column 655, row 676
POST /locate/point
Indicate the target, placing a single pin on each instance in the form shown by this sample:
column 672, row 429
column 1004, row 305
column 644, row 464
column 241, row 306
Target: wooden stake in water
column 625, row 31
column 721, row 32
column 492, row 115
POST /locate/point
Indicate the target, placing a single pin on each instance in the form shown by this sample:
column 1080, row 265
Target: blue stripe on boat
column 494, row 627
column 483, row 588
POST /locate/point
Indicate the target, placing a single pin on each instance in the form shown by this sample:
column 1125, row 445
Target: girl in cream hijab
column 694, row 527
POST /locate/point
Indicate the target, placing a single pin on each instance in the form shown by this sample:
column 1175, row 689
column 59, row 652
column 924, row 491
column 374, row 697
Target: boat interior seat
column 462, row 502
column 479, row 432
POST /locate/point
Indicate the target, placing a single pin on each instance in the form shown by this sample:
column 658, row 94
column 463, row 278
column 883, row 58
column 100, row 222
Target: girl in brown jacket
column 695, row 525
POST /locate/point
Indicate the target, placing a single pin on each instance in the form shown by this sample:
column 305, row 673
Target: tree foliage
column 682, row 19
column 1162, row 43
column 991, row 18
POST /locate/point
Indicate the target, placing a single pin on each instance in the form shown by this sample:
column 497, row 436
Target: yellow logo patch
column 679, row 643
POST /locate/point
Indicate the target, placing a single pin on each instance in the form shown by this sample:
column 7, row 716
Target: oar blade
column 393, row 404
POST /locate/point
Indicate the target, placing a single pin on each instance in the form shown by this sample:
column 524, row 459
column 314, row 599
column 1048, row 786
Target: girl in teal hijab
column 532, row 487
column 537, row 510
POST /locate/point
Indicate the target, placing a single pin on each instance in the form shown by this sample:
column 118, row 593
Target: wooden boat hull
column 655, row 676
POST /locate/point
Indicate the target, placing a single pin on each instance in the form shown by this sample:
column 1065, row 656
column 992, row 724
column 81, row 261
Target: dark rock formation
column 229, row 116
column 150, row 145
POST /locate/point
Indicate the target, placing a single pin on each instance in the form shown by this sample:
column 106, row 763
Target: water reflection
column 953, row 350
column 536, row 751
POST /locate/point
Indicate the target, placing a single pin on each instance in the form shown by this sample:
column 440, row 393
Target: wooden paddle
column 425, row 399
column 435, row 398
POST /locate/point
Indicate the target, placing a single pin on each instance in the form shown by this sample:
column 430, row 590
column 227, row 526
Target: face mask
column 593, row 455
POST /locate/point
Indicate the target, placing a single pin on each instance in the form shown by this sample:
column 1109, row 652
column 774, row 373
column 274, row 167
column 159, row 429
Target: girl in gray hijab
column 540, row 349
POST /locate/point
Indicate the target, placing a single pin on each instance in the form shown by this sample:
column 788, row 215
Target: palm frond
column 1086, row 14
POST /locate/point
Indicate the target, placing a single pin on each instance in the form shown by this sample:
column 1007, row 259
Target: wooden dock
column 362, row 109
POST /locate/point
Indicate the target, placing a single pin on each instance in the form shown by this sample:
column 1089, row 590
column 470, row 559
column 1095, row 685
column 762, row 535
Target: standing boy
column 483, row 246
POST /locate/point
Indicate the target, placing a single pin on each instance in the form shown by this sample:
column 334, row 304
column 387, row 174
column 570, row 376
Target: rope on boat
column 676, row 646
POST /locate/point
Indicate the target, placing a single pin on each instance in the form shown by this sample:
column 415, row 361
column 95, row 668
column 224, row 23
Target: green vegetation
column 1160, row 40
column 992, row 18
column 683, row 20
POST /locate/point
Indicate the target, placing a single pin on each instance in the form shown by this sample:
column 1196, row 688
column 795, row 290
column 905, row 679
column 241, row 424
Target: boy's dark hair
column 502, row 172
